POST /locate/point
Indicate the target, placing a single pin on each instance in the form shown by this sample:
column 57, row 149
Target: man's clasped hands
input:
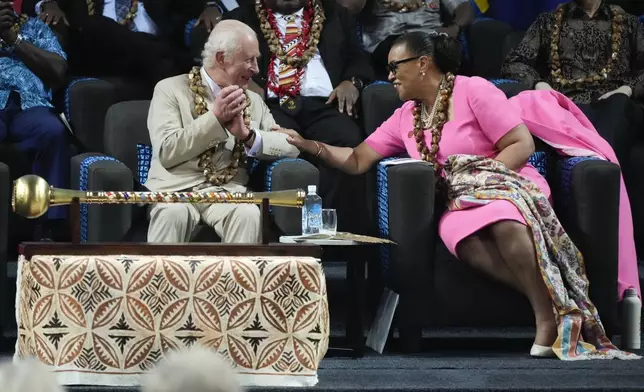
column 229, row 109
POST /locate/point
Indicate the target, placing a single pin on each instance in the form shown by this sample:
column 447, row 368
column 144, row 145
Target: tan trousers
column 233, row 223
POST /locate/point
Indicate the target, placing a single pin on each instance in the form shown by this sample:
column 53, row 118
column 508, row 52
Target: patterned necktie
column 122, row 9
column 287, row 74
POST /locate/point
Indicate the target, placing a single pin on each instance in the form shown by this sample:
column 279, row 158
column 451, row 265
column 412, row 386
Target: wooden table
column 354, row 254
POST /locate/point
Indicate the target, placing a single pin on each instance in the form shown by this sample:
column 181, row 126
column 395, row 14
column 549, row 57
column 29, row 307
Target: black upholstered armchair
column 435, row 289
column 124, row 167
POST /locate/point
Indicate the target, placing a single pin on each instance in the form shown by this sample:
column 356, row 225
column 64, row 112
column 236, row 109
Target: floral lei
column 226, row 174
column 129, row 18
column 617, row 19
column 306, row 48
column 434, row 121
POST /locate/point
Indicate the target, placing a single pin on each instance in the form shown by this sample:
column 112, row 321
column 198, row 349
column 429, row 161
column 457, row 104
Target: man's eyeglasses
column 393, row 66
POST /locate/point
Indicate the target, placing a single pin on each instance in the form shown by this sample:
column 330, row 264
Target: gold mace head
column 30, row 197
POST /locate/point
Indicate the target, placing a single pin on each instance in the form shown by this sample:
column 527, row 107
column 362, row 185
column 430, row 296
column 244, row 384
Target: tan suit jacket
column 178, row 138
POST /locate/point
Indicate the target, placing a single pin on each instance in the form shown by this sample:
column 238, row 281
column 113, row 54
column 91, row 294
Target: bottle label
column 312, row 218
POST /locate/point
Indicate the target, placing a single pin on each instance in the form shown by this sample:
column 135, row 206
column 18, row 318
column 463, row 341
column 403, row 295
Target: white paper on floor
column 379, row 331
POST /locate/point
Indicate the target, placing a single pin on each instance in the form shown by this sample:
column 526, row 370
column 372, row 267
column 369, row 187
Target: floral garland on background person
column 617, row 19
column 306, row 48
column 226, row 174
column 129, row 18
column 433, row 121
column 402, row 7
column 22, row 19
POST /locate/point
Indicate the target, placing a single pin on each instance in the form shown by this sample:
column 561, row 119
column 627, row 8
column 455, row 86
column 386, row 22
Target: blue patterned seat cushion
column 540, row 161
column 143, row 159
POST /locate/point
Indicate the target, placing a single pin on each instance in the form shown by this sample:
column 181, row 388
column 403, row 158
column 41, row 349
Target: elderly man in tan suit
column 202, row 126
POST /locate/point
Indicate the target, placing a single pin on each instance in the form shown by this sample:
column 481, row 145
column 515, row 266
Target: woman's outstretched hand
column 295, row 139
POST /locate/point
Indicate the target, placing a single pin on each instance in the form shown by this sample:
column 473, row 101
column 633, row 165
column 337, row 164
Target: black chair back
column 125, row 127
column 378, row 105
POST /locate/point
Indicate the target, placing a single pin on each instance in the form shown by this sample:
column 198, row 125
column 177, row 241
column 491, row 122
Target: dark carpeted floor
column 463, row 371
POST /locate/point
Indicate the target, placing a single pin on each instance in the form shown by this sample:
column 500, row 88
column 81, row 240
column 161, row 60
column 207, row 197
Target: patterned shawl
column 473, row 181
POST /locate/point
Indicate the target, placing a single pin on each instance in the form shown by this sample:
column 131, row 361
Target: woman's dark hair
column 445, row 50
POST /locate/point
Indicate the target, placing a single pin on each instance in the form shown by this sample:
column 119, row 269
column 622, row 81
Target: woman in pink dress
column 478, row 120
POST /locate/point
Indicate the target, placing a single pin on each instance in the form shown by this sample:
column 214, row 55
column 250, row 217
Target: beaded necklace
column 433, row 121
column 617, row 19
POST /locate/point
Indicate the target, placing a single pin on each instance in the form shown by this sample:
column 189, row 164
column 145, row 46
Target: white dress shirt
column 214, row 87
column 316, row 81
column 229, row 4
column 142, row 20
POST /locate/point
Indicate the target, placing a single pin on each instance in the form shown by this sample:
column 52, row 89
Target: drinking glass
column 329, row 221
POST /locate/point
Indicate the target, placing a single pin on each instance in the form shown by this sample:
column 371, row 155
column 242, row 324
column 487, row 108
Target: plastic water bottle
column 312, row 212
column 631, row 317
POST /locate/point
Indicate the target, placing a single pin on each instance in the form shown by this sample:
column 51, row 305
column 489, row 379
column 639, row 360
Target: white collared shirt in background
column 229, row 4
column 316, row 81
column 142, row 20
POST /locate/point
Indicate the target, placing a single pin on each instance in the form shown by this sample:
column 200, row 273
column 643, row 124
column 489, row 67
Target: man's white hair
column 224, row 38
column 27, row 376
column 193, row 370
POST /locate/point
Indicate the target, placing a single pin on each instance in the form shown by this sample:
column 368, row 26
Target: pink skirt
column 454, row 226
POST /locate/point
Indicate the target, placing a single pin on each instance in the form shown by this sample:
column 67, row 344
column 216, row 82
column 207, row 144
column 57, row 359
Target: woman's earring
column 423, row 73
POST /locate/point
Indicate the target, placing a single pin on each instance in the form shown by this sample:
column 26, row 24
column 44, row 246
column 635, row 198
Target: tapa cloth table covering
column 106, row 320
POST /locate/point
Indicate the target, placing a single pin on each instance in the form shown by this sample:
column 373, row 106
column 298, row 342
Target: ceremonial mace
column 32, row 196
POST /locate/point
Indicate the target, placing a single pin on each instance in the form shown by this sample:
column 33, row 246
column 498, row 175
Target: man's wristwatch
column 357, row 83
column 251, row 133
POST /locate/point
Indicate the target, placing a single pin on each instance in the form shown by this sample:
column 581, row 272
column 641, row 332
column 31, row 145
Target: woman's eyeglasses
column 393, row 66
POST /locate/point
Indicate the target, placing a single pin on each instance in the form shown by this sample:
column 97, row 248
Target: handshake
column 229, row 108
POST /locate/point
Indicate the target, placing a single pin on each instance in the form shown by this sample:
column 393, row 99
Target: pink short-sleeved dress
column 481, row 116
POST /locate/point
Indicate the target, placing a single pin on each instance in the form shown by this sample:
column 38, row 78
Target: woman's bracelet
column 319, row 146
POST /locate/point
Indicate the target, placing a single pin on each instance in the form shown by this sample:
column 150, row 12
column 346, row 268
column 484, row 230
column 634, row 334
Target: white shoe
column 538, row 351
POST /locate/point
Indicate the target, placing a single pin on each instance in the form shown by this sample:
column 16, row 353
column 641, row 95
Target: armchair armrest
column 289, row 173
column 98, row 172
column 406, row 216
column 587, row 203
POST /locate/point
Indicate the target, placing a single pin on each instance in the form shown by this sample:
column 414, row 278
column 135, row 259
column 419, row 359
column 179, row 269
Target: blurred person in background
column 195, row 369
column 592, row 52
column 383, row 21
column 27, row 376
column 125, row 38
column 32, row 65
column 213, row 11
